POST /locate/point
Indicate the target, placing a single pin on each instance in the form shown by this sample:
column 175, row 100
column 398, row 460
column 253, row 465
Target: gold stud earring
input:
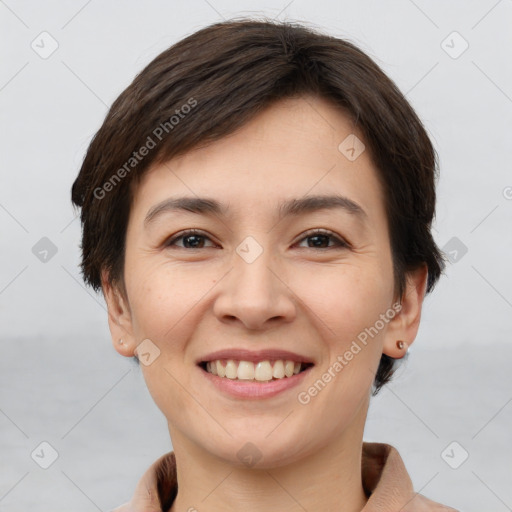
column 400, row 344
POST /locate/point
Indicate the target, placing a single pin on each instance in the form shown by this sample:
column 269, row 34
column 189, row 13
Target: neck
column 328, row 478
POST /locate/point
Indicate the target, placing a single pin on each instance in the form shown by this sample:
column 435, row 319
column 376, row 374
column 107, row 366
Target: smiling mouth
column 260, row 371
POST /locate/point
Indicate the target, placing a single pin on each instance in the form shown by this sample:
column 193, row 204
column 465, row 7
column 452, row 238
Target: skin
column 295, row 296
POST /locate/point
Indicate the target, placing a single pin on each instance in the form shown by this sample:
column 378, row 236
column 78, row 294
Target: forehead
column 294, row 148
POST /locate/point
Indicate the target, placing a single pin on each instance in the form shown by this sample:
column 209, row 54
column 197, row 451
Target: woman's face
column 250, row 279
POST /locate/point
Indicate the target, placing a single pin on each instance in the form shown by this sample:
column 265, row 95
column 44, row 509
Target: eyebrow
column 290, row 207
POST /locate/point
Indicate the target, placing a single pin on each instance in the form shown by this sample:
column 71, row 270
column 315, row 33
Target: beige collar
column 388, row 484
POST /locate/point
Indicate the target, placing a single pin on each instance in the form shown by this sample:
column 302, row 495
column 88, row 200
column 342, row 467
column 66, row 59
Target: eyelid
column 341, row 242
column 184, row 233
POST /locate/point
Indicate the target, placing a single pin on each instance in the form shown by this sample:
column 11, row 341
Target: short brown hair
column 225, row 74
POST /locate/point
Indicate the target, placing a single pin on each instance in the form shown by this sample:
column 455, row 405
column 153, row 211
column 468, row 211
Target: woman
column 256, row 209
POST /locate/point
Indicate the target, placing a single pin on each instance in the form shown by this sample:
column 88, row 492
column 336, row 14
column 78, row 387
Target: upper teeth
column 247, row 370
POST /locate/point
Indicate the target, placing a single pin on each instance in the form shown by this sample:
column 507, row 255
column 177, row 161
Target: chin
column 259, row 449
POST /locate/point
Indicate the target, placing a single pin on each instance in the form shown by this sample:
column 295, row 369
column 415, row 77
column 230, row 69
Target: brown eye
column 192, row 239
column 321, row 238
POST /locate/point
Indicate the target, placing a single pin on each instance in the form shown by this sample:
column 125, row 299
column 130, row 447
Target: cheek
column 345, row 314
column 163, row 301
column 345, row 300
column 347, row 306
column 164, row 313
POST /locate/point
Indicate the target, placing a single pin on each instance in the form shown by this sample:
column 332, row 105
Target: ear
column 404, row 325
column 119, row 318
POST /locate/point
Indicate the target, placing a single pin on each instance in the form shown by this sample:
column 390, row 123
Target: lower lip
column 254, row 389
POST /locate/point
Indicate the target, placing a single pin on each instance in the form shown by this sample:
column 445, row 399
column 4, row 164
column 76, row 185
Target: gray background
column 60, row 379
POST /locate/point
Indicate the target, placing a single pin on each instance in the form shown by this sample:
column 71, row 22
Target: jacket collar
column 387, row 483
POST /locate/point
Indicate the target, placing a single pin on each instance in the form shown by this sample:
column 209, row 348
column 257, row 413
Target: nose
column 255, row 294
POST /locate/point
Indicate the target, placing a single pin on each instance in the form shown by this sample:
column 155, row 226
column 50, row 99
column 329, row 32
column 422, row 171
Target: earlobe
column 124, row 348
column 119, row 319
column 404, row 326
column 403, row 347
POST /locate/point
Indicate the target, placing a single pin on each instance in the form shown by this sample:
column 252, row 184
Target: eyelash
column 340, row 243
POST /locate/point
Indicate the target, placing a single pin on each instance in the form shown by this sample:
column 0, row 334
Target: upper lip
column 254, row 355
